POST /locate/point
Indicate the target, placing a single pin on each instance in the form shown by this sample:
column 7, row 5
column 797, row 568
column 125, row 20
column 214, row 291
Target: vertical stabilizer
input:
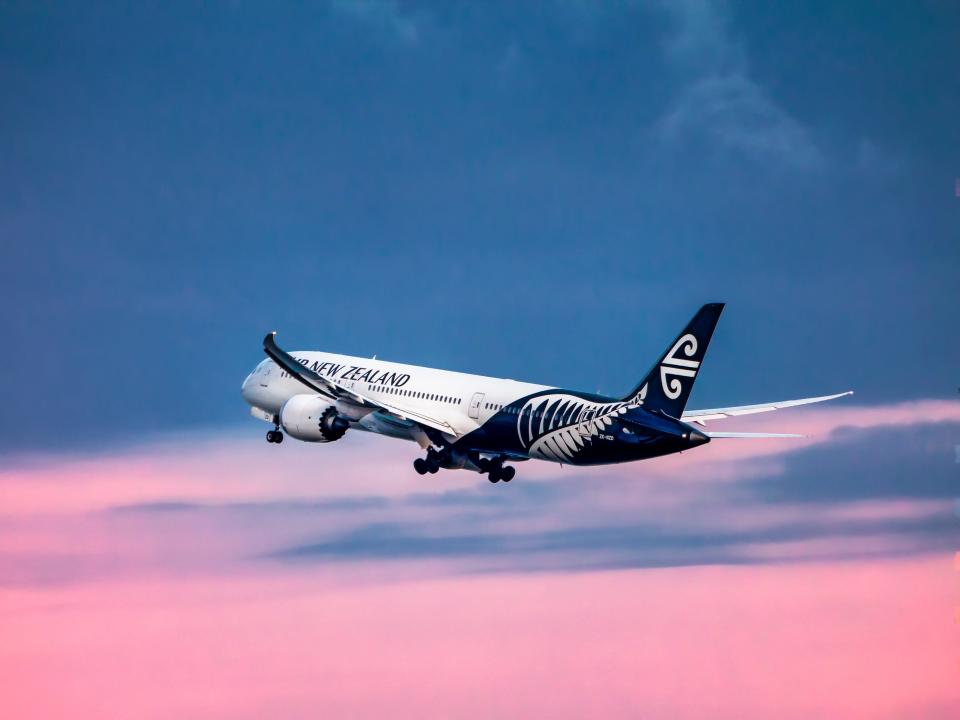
column 667, row 386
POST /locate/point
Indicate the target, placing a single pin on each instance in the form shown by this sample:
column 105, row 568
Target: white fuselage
column 463, row 400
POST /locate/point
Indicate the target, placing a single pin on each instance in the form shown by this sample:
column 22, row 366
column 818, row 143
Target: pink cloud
column 243, row 467
column 145, row 613
column 844, row 640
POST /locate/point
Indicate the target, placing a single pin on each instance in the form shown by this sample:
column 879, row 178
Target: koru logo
column 675, row 366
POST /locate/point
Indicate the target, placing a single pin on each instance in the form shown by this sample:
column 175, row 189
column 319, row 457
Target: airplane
column 480, row 423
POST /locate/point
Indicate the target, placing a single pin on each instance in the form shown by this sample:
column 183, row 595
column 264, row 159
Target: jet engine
column 312, row 418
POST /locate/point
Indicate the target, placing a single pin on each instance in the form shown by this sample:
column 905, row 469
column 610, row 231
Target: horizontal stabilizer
column 751, row 435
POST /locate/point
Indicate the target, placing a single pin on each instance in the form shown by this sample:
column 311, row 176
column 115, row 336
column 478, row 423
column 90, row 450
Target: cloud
column 384, row 16
column 228, row 563
column 866, row 640
column 721, row 109
column 730, row 113
column 911, row 462
column 867, row 481
column 642, row 545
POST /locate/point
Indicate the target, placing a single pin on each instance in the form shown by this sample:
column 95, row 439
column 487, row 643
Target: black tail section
column 667, row 386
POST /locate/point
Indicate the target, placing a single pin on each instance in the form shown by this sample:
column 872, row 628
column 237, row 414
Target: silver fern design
column 673, row 366
column 558, row 426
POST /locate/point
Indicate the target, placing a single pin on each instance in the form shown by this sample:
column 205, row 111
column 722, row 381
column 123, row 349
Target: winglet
column 288, row 363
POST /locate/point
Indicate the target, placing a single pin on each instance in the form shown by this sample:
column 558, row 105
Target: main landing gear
column 495, row 471
column 274, row 436
column 429, row 464
column 493, row 468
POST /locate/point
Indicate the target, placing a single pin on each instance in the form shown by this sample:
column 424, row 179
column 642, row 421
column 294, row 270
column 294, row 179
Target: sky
column 545, row 191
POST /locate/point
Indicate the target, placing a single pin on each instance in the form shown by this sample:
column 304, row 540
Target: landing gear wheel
column 420, row 465
column 432, row 461
column 494, row 469
column 278, row 437
column 272, row 436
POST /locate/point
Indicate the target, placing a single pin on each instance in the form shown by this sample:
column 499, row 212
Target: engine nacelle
column 312, row 418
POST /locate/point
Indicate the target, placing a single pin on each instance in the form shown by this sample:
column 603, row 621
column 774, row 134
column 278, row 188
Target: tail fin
column 667, row 386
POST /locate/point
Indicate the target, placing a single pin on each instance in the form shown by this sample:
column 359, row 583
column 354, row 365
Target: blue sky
column 542, row 191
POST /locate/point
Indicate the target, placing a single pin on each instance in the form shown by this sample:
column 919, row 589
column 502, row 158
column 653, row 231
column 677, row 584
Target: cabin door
column 475, row 405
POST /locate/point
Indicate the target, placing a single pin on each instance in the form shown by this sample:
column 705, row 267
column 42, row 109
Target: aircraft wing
column 702, row 416
column 334, row 389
